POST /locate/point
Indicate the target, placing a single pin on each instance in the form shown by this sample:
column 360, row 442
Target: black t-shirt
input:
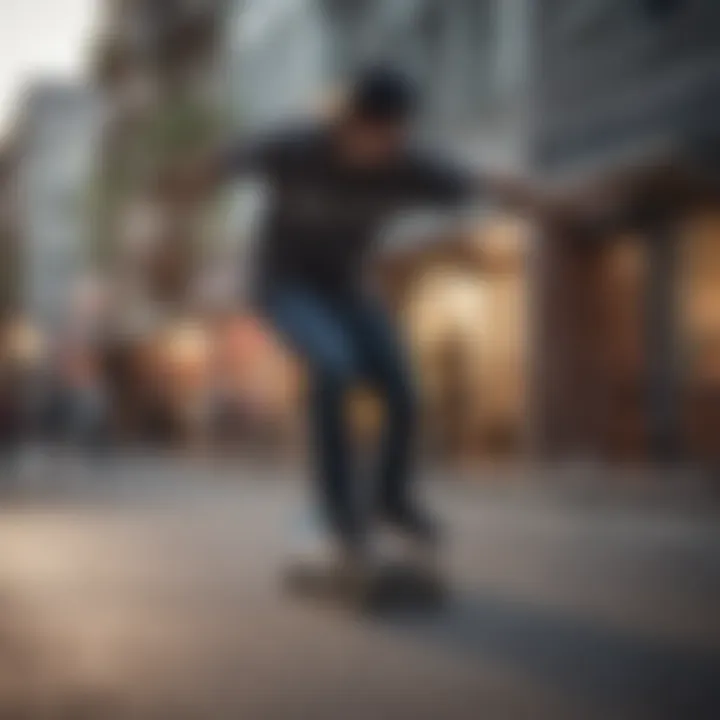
column 323, row 216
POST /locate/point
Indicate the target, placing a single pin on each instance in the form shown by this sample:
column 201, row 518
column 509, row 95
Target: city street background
column 153, row 429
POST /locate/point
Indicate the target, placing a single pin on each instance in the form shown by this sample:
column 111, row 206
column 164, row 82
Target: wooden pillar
column 568, row 378
column 662, row 343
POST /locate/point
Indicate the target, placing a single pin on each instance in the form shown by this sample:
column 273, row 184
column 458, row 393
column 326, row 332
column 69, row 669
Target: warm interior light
column 24, row 343
column 188, row 345
column 503, row 241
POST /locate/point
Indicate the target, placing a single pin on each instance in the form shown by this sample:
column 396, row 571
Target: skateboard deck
column 390, row 587
column 399, row 579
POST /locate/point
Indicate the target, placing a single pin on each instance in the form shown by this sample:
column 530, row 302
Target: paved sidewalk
column 159, row 599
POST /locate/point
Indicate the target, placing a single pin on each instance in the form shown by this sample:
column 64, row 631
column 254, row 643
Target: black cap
column 384, row 95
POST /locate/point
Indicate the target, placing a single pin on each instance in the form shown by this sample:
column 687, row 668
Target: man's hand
column 586, row 210
column 520, row 196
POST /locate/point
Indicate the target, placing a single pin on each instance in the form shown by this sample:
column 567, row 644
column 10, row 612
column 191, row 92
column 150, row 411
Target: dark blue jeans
column 346, row 342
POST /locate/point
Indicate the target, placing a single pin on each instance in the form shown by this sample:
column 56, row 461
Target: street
column 162, row 600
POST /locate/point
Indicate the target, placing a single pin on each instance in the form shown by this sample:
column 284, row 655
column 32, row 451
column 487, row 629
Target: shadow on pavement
column 608, row 668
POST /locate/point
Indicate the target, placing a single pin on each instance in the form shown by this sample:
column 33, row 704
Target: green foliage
column 182, row 124
column 179, row 127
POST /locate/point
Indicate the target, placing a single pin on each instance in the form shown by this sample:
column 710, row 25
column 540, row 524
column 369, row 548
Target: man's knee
column 336, row 367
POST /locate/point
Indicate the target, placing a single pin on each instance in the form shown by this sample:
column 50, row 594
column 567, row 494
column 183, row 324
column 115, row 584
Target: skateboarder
column 333, row 185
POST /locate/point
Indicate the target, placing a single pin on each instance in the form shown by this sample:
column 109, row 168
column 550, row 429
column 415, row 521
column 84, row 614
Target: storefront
column 556, row 347
column 627, row 338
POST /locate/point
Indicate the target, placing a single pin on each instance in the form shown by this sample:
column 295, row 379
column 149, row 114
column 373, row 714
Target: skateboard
column 397, row 579
column 388, row 587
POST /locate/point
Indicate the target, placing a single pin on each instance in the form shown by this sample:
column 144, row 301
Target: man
column 333, row 186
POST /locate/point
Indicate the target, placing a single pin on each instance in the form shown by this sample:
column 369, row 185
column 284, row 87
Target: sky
column 41, row 39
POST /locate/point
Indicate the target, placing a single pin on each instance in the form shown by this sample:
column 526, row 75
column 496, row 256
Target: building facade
column 628, row 340
column 58, row 137
column 278, row 58
column 9, row 245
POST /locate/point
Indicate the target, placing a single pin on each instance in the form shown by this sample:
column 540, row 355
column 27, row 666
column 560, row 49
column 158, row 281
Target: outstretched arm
column 609, row 201
column 579, row 209
column 514, row 193
column 446, row 184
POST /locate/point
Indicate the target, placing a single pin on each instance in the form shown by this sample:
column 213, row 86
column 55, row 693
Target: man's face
column 371, row 143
